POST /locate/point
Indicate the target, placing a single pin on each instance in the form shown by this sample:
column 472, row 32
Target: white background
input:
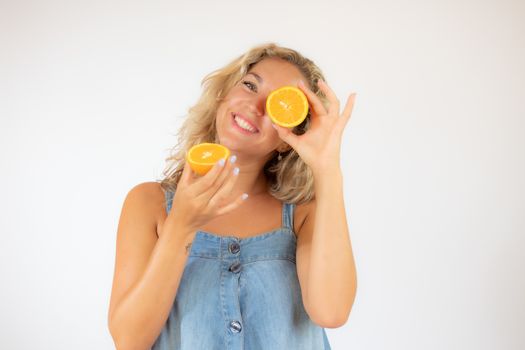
column 93, row 92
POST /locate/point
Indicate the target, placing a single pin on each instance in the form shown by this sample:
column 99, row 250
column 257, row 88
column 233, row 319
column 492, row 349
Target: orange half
column 203, row 156
column 287, row 106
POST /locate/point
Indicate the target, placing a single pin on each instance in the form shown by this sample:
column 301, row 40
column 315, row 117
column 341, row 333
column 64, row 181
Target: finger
column 224, row 191
column 219, row 181
column 187, row 173
column 334, row 101
column 203, row 183
column 234, row 205
column 347, row 112
column 286, row 135
column 314, row 100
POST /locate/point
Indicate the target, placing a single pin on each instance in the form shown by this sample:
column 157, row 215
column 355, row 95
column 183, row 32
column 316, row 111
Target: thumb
column 186, row 173
column 286, row 134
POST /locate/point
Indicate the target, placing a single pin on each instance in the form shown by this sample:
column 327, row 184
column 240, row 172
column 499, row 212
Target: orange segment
column 287, row 106
column 203, row 156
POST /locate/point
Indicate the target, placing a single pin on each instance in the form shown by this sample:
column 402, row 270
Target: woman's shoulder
column 301, row 212
column 148, row 191
column 149, row 197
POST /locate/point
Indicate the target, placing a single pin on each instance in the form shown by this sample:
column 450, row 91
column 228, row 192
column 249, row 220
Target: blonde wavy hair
column 289, row 179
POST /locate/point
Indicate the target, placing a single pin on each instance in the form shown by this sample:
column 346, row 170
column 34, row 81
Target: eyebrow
column 259, row 79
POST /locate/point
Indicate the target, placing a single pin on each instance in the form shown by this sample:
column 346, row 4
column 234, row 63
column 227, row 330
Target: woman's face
column 247, row 101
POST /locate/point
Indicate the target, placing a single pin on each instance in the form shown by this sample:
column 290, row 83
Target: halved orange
column 287, row 106
column 203, row 156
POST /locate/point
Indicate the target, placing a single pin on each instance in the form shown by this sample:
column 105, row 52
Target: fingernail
column 222, row 161
column 236, row 171
column 244, row 196
column 233, row 159
column 301, row 82
column 273, row 126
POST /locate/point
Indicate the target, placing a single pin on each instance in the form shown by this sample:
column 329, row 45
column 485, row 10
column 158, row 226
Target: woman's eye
column 250, row 85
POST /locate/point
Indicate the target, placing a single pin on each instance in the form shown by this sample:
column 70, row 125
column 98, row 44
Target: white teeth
column 243, row 124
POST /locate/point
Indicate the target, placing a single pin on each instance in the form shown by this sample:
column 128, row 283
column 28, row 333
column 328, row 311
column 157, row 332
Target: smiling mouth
column 243, row 126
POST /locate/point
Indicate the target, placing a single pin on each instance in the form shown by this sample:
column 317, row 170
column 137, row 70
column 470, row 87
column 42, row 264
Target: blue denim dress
column 241, row 294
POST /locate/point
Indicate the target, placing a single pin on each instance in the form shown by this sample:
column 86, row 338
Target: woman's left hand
column 320, row 145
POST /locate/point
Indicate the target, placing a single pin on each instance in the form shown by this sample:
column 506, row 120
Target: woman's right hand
column 198, row 199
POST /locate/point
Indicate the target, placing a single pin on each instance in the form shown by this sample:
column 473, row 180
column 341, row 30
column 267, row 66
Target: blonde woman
column 255, row 254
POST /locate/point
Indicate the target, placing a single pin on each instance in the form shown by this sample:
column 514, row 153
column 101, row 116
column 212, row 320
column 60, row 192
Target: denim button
column 235, row 326
column 234, row 248
column 236, row 267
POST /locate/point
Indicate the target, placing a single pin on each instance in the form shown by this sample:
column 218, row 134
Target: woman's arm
column 325, row 262
column 148, row 270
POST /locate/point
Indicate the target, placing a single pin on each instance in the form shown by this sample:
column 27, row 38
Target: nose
column 260, row 105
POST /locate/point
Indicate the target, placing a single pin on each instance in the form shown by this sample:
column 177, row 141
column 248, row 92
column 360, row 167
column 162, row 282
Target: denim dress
column 241, row 294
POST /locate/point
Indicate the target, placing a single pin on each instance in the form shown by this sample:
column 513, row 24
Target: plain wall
column 92, row 94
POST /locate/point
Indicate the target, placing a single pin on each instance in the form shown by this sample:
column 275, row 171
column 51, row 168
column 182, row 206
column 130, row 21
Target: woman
column 255, row 254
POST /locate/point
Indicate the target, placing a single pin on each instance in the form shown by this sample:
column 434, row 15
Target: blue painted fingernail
column 236, row 171
column 222, row 161
column 233, row 159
